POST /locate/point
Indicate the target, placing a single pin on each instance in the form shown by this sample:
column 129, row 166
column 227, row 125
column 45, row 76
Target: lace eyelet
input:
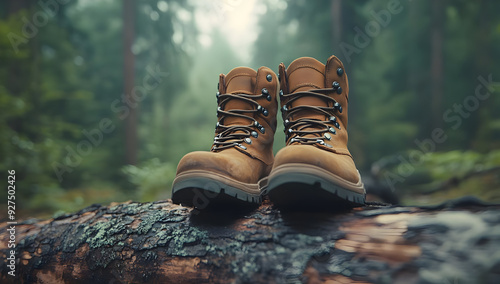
column 339, row 90
column 338, row 107
column 265, row 92
column 254, row 134
column 269, row 77
column 262, row 109
column 340, row 71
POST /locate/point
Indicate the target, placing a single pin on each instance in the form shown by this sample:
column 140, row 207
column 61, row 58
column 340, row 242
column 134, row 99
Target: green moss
column 152, row 218
column 180, row 240
column 104, row 233
column 131, row 208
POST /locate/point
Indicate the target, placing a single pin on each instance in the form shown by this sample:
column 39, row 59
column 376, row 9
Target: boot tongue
column 239, row 80
column 305, row 74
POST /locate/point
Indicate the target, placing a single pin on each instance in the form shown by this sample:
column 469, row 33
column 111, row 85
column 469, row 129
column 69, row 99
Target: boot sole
column 310, row 187
column 202, row 189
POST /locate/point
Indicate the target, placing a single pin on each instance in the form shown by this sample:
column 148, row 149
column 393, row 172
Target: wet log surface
column 456, row 242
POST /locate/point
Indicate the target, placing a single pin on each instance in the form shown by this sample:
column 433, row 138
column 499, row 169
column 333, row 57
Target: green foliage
column 439, row 174
column 153, row 179
column 34, row 130
column 64, row 81
column 52, row 202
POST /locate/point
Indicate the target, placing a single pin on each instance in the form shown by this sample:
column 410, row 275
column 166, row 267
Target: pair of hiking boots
column 314, row 169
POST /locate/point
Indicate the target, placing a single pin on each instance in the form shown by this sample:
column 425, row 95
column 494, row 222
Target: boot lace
column 228, row 136
column 296, row 130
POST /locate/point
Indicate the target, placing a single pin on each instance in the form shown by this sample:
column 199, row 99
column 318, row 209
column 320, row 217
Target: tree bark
column 164, row 243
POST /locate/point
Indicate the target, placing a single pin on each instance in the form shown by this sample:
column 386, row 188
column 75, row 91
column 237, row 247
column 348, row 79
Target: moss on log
column 159, row 242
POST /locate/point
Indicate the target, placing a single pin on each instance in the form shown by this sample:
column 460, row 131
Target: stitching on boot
column 305, row 85
column 305, row 66
column 239, row 75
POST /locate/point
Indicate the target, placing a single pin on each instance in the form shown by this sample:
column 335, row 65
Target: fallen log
column 159, row 242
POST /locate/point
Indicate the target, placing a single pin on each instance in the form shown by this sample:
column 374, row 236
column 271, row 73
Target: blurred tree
column 41, row 101
column 60, row 84
column 193, row 118
column 165, row 44
column 437, row 69
column 336, row 16
column 131, row 138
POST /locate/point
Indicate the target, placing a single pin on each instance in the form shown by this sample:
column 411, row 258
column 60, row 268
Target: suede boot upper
column 241, row 154
column 314, row 100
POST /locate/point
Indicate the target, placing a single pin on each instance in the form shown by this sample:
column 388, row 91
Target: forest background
column 100, row 99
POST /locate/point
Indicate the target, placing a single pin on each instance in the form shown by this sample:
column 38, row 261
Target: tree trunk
column 336, row 16
column 159, row 242
column 15, row 5
column 437, row 69
column 131, row 138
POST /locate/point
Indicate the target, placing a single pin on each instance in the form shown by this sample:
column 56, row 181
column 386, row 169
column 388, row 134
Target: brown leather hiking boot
column 241, row 157
column 315, row 168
